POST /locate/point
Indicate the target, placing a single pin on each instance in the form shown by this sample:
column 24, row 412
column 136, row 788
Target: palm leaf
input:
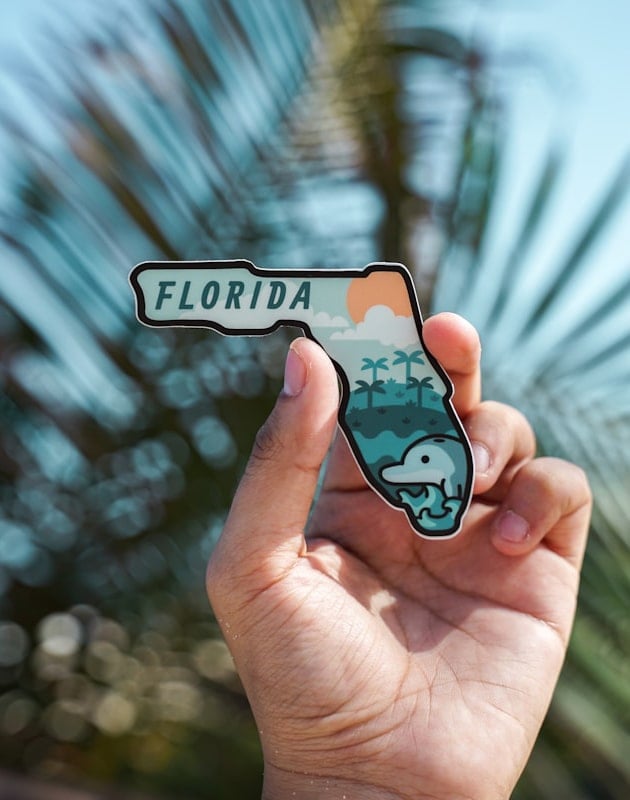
column 120, row 446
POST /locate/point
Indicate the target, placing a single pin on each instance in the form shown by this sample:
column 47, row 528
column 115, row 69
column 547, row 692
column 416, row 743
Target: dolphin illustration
column 438, row 460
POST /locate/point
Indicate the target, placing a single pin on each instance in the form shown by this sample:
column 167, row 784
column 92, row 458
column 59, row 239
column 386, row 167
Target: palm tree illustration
column 370, row 389
column 375, row 366
column 419, row 386
column 408, row 359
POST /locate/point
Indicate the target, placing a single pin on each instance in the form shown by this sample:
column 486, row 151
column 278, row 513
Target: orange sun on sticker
column 378, row 289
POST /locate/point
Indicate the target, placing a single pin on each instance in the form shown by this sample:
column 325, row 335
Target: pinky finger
column 549, row 499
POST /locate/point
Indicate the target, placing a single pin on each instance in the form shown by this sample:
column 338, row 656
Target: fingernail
column 511, row 527
column 294, row 374
column 481, row 457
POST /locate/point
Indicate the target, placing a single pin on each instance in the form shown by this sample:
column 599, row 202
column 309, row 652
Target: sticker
column 395, row 411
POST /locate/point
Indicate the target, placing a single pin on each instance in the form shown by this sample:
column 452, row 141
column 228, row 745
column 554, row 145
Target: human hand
column 379, row 664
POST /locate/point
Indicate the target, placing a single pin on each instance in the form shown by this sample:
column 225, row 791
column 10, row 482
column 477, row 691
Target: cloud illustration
column 324, row 320
column 382, row 325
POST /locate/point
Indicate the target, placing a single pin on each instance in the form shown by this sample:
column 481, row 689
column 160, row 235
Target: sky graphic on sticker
column 395, row 411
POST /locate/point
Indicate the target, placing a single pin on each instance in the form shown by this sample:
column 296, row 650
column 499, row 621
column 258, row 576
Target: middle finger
column 502, row 440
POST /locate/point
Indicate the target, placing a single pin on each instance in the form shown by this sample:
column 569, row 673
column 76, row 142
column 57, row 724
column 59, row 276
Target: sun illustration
column 378, row 289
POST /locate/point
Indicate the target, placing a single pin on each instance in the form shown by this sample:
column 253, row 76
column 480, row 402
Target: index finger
column 455, row 344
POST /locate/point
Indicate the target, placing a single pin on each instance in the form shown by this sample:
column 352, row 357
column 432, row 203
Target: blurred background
column 484, row 144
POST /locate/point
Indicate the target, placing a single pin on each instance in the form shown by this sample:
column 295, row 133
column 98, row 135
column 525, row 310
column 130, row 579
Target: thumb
column 264, row 532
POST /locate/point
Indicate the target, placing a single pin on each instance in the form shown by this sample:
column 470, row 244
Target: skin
column 379, row 664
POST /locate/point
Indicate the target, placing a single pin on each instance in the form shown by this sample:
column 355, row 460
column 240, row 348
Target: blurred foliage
column 294, row 133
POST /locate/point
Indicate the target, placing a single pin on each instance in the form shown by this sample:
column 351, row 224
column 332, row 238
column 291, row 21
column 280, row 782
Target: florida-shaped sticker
column 395, row 412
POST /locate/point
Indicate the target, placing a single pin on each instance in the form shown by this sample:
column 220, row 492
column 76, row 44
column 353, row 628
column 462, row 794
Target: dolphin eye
column 425, row 459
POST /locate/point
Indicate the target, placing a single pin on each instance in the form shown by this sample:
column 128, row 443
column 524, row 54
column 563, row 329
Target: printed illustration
column 395, row 411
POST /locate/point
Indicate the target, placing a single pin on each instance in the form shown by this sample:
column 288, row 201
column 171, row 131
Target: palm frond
column 296, row 134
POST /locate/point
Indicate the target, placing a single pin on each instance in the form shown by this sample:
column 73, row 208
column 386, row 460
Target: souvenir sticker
column 395, row 412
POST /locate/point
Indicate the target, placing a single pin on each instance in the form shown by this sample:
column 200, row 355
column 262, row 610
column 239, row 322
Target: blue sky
column 585, row 44
column 586, row 99
column 580, row 93
column 588, row 104
column 575, row 92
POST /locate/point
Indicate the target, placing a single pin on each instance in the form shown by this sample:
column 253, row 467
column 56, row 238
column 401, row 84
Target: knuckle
column 543, row 480
column 224, row 584
column 215, row 581
column 492, row 406
column 557, row 479
column 501, row 425
column 267, row 443
column 213, row 592
column 521, row 425
column 582, row 486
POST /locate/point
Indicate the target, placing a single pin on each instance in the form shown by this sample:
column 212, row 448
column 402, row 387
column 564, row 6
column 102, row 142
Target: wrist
column 281, row 784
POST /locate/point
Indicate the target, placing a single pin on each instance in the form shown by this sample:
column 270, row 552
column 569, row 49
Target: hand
column 379, row 664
